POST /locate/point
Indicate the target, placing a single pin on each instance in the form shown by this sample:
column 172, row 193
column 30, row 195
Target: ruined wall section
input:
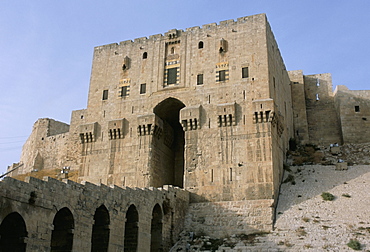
column 322, row 117
column 353, row 107
column 45, row 147
column 299, row 106
column 38, row 201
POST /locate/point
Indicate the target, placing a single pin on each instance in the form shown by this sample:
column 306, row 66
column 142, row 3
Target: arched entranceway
column 100, row 232
column 12, row 233
column 156, row 230
column 62, row 235
column 131, row 230
column 170, row 148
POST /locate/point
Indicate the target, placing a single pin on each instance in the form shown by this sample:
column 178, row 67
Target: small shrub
column 354, row 244
column 327, row 196
column 346, row 195
column 306, row 219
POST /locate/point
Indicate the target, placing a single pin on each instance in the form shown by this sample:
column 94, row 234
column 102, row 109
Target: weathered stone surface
column 211, row 110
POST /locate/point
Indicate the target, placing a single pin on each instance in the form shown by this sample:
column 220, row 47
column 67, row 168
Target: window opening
column 171, row 76
column 200, row 79
column 317, row 97
column 231, row 174
column 105, row 95
column 200, row 45
column 357, row 108
column 145, row 55
column 124, row 91
column 172, row 50
column 222, row 75
column 245, row 73
column 143, row 88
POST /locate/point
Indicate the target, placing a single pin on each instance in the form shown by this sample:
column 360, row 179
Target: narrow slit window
column 245, row 72
column 105, row 95
column 143, row 88
column 357, row 108
column 200, row 79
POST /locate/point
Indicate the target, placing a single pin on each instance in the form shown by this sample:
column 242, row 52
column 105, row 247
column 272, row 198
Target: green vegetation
column 354, row 244
column 327, row 196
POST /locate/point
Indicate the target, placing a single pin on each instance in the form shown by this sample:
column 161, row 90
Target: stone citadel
column 200, row 120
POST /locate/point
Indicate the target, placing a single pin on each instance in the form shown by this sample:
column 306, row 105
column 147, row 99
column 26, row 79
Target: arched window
column 145, row 55
column 62, row 235
column 100, row 232
column 156, row 229
column 200, row 45
column 12, row 233
column 131, row 229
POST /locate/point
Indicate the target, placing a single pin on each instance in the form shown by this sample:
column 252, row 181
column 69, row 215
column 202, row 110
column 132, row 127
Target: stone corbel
column 226, row 115
column 88, row 132
column 190, row 118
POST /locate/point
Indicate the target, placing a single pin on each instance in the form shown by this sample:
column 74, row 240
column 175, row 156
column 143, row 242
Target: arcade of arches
column 13, row 231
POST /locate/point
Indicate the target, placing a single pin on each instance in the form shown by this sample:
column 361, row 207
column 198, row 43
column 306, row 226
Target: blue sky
column 47, row 47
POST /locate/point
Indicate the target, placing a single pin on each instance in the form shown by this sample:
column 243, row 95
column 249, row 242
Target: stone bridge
column 53, row 215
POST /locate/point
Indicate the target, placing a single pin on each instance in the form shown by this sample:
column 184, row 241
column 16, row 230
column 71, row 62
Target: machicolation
column 189, row 132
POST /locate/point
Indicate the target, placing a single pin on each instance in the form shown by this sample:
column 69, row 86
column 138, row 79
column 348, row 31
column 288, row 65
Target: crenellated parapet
column 175, row 33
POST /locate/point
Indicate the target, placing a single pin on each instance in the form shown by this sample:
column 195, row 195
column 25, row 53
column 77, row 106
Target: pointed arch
column 131, row 230
column 12, row 233
column 171, row 170
column 100, row 232
column 156, row 229
column 62, row 235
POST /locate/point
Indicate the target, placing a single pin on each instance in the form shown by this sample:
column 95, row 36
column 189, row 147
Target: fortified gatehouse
column 210, row 110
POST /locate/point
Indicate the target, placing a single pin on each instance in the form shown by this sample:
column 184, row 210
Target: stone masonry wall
column 45, row 147
column 37, row 202
column 353, row 107
column 222, row 219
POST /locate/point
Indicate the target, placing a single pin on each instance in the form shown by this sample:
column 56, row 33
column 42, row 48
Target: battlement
column 206, row 28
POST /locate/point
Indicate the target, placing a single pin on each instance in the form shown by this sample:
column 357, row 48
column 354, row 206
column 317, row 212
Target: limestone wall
column 45, row 147
column 353, row 107
column 299, row 106
column 38, row 202
column 223, row 219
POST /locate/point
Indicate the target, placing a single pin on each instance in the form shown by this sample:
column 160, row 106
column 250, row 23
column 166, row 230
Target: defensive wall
column 50, row 215
column 210, row 109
